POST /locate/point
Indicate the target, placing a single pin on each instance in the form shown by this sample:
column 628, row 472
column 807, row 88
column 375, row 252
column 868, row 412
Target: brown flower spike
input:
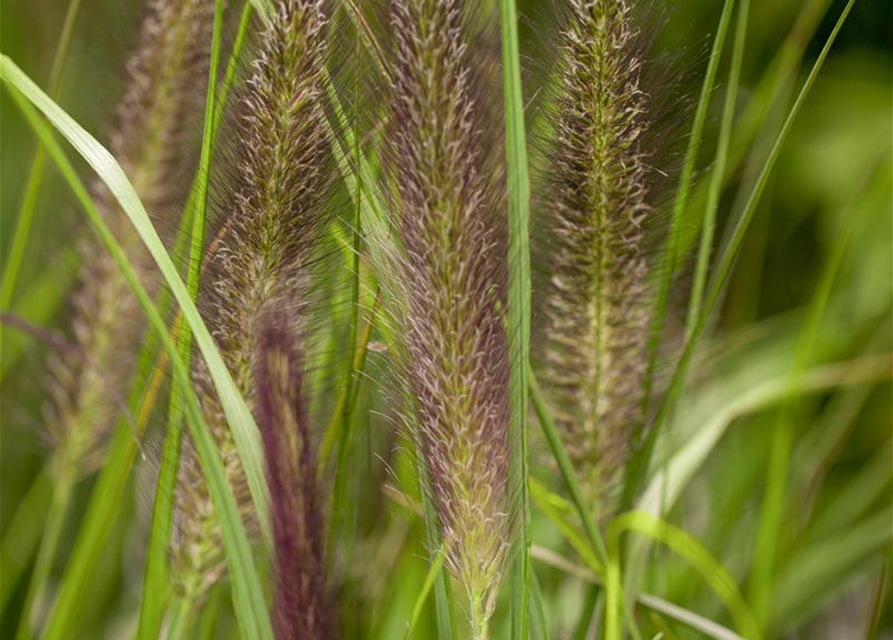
column 300, row 610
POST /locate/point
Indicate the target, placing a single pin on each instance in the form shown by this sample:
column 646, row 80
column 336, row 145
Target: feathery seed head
column 452, row 278
column 274, row 226
column 596, row 307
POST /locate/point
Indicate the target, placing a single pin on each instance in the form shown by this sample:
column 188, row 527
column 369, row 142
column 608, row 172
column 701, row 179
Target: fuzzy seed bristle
column 152, row 143
column 453, row 283
column 274, row 226
column 597, row 333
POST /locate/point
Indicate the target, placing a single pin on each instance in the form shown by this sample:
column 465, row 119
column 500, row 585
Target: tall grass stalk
column 519, row 314
column 153, row 113
column 719, row 169
column 276, row 221
column 301, row 607
column 155, row 584
column 670, row 257
column 771, row 526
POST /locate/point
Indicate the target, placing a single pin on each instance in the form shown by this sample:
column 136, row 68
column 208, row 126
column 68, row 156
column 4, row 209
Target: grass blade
column 708, row 627
column 433, row 572
column 639, row 463
column 35, row 175
column 772, row 508
column 670, row 258
column 519, row 309
column 237, row 413
column 156, row 578
column 713, row 573
column 248, row 595
column 719, row 170
column 567, row 471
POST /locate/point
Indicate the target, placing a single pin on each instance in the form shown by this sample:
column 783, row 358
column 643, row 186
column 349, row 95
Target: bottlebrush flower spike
column 450, row 221
column 275, row 225
column 300, row 610
column 597, row 334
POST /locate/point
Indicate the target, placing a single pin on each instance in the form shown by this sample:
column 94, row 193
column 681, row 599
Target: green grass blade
column 264, row 8
column 156, row 577
column 689, row 549
column 443, row 594
column 238, row 416
column 35, row 175
column 772, row 512
column 435, row 570
column 248, row 595
column 518, row 310
column 669, row 483
column 638, row 466
column 670, row 258
column 22, row 534
column 705, row 626
column 559, row 511
column 539, row 609
column 718, row 173
column 567, row 471
column 827, row 567
column 63, row 487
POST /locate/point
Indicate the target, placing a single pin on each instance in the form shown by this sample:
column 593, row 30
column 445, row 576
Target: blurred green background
column 833, row 556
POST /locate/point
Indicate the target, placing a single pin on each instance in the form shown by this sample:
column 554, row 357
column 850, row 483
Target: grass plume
column 274, row 225
column 449, row 218
column 597, row 320
column 300, row 610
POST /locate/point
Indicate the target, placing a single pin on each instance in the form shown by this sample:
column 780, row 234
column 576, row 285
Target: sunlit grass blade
column 709, row 628
column 248, row 594
column 518, row 185
column 669, row 483
column 156, row 578
column 637, row 470
column 559, row 511
column 238, row 415
column 713, row 573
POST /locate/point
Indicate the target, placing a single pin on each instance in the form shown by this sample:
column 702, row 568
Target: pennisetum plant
column 272, row 228
column 301, row 605
column 596, row 339
column 450, row 222
column 154, row 143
